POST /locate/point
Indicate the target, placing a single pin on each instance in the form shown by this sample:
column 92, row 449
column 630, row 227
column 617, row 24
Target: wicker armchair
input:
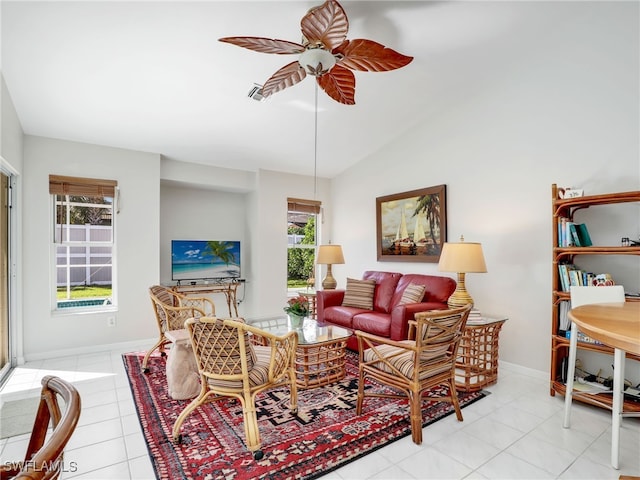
column 230, row 365
column 414, row 366
column 43, row 459
column 171, row 311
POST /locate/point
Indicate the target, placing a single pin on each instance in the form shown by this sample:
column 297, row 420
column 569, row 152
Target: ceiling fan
column 325, row 53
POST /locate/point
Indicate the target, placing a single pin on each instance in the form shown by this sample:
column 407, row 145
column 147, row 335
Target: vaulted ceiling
column 152, row 76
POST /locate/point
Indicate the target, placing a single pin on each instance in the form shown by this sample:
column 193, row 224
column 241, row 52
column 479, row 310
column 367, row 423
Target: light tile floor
column 514, row 433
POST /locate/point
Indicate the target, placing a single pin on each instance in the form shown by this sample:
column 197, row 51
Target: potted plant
column 297, row 308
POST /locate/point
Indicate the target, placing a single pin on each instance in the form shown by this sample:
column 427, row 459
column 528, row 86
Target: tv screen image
column 204, row 259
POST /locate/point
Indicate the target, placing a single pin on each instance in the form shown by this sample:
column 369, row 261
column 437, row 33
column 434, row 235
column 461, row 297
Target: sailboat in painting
column 403, row 242
column 419, row 237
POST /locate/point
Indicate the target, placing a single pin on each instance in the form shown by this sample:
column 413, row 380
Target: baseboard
column 530, row 372
column 133, row 344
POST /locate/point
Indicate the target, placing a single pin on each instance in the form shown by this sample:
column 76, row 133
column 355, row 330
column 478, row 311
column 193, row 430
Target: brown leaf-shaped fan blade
column 327, row 24
column 287, row 76
column 340, row 84
column 370, row 56
column 265, row 45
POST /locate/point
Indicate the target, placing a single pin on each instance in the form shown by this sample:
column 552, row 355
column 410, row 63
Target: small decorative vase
column 295, row 320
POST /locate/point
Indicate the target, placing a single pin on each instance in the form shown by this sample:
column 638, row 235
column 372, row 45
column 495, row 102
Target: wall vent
column 256, row 92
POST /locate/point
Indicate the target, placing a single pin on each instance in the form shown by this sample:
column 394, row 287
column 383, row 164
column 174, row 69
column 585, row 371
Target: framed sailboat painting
column 412, row 226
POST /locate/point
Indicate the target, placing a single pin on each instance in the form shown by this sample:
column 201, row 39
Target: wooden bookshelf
column 559, row 343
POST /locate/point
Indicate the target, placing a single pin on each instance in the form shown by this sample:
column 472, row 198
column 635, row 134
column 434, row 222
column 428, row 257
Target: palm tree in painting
column 220, row 250
column 430, row 205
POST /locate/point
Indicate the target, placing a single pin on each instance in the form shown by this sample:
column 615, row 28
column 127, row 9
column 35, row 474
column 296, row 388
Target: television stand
column 229, row 289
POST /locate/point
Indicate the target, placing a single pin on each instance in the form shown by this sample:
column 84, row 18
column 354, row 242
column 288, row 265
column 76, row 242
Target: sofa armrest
column 327, row 298
column 401, row 314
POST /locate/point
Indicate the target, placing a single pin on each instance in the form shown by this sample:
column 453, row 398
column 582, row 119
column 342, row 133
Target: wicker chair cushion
column 162, row 294
column 404, row 361
column 218, row 348
column 359, row 294
column 431, row 328
column 258, row 374
column 412, row 294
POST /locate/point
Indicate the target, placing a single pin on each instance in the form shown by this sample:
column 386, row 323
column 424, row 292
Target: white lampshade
column 316, row 61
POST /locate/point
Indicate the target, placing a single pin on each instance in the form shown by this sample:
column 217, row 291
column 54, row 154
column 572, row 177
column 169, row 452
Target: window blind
column 303, row 206
column 79, row 186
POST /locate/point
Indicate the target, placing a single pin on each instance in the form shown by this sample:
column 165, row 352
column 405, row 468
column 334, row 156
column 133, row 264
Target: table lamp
column 329, row 255
column 461, row 257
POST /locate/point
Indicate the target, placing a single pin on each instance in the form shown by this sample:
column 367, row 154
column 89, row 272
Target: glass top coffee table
column 320, row 356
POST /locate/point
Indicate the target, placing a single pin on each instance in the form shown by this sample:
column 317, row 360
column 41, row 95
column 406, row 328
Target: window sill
column 69, row 311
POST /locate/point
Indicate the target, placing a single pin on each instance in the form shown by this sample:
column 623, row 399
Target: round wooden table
column 616, row 325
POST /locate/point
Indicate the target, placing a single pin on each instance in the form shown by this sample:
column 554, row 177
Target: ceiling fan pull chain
column 315, row 146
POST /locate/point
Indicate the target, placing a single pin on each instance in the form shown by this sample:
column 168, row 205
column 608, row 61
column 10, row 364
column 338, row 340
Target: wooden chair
column 230, row 365
column 416, row 365
column 43, row 459
column 171, row 311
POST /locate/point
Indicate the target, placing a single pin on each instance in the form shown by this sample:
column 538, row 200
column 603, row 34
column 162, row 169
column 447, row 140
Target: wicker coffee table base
column 320, row 364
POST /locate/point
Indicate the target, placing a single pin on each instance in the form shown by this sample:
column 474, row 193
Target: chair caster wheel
column 177, row 440
column 145, row 370
column 294, row 411
column 257, row 455
column 163, row 354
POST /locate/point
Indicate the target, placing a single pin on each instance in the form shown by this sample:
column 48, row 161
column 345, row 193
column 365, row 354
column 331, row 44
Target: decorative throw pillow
column 412, row 294
column 359, row 294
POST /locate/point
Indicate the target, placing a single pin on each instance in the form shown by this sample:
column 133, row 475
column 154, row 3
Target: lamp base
column 460, row 297
column 329, row 283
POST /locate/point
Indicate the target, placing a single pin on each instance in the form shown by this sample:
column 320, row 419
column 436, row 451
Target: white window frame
column 310, row 246
column 61, row 239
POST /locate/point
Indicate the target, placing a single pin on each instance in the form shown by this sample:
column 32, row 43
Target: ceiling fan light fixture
column 325, row 53
column 316, row 61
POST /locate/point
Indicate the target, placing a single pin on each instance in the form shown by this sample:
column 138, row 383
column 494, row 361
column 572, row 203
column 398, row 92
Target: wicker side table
column 477, row 363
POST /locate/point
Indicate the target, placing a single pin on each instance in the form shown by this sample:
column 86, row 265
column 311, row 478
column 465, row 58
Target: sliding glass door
column 4, row 275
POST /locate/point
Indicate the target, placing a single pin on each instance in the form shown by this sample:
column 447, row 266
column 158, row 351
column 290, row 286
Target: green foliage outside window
column 301, row 261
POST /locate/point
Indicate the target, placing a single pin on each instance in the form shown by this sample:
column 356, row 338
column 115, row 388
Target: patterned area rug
column 325, row 435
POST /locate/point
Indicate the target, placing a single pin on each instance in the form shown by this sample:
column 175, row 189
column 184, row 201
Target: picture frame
column 412, row 226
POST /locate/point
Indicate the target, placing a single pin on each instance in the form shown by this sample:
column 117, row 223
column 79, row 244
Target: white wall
column 189, row 213
column 137, row 238
column 562, row 111
column 11, row 130
column 267, row 232
column 200, row 202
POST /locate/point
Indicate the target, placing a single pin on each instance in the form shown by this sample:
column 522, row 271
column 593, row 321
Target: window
column 301, row 249
column 83, row 242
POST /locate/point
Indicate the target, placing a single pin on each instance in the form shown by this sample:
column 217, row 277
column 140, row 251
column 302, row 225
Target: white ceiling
column 152, row 76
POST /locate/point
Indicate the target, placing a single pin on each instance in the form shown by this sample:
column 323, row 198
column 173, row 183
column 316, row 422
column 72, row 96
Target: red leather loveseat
column 390, row 314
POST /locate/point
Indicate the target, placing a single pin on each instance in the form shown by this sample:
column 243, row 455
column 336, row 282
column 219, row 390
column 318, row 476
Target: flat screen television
column 194, row 260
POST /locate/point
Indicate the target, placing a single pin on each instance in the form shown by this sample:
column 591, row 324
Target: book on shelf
column 569, row 275
column 583, row 235
column 564, row 323
column 571, row 234
column 583, row 337
column 574, row 234
column 564, row 232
